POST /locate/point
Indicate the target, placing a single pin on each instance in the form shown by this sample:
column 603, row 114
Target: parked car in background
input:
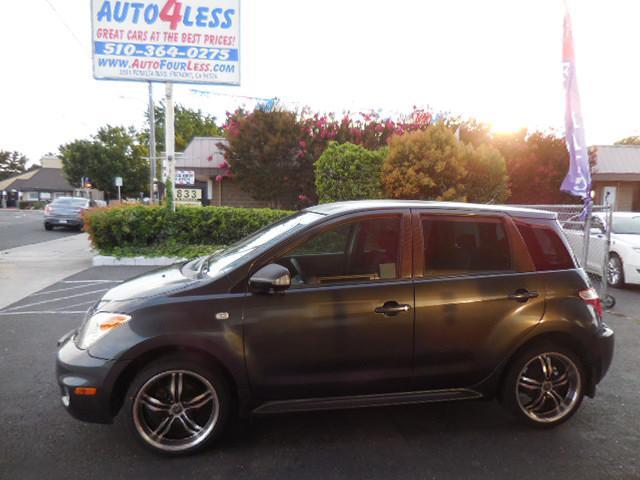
column 623, row 260
column 343, row 305
column 66, row 212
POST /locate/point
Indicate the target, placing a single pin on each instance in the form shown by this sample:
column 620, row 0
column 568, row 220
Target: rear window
column 546, row 248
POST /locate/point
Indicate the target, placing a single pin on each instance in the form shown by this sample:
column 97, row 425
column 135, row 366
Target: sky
column 498, row 61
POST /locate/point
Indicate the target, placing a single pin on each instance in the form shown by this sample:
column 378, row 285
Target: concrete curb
column 110, row 261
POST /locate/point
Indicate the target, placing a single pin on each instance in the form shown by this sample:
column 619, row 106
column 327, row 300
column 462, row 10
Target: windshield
column 225, row 260
column 76, row 202
column 626, row 225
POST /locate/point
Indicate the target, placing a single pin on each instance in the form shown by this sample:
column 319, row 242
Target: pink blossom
column 218, row 178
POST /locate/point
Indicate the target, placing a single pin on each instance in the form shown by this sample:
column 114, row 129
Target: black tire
column 615, row 279
column 522, row 397
column 48, row 226
column 143, row 417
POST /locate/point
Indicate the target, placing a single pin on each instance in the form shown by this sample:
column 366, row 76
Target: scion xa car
column 353, row 304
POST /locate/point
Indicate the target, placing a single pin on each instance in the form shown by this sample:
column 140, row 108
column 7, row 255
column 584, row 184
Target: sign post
column 170, row 141
column 152, row 145
column 118, row 183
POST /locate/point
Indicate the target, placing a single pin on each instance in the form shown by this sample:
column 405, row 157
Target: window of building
column 460, row 246
column 353, row 252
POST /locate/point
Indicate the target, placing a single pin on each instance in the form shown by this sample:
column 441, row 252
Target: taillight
column 591, row 297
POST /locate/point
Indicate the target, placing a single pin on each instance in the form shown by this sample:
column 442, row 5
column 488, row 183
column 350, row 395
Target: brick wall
column 234, row 196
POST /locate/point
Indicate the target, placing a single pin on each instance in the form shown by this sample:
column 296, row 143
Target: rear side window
column 462, row 246
column 546, row 248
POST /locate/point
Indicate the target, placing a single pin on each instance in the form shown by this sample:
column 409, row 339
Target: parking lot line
column 20, row 307
column 46, row 312
column 47, row 292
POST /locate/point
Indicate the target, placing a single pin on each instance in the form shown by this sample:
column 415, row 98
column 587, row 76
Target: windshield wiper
column 204, row 266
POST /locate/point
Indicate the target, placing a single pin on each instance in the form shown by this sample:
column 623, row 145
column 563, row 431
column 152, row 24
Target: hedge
column 134, row 227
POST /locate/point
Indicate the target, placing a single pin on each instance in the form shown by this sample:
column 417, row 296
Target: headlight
column 99, row 325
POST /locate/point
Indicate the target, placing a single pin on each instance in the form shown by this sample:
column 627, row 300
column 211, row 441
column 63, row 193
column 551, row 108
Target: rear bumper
column 76, row 368
column 603, row 353
column 64, row 221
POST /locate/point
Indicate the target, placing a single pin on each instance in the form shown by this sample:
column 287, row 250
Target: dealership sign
column 192, row 41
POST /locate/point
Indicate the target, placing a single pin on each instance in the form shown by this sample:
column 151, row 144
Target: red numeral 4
column 171, row 13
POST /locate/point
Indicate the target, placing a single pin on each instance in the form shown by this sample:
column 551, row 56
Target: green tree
column 348, row 172
column 112, row 152
column 188, row 123
column 536, row 165
column 426, row 164
column 12, row 163
column 267, row 157
column 487, row 179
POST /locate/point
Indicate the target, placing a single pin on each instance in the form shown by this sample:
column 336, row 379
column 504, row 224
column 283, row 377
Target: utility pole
column 170, row 141
column 152, row 145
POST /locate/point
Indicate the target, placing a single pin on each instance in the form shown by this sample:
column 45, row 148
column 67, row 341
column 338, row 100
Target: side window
column 546, row 248
column 461, row 246
column 353, row 252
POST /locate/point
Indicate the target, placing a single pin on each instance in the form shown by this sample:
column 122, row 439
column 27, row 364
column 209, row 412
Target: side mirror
column 596, row 231
column 270, row 278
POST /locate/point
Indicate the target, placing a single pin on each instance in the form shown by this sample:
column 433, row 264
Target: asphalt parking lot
column 26, row 227
column 454, row 440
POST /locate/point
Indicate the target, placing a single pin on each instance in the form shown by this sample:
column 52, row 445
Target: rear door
column 476, row 293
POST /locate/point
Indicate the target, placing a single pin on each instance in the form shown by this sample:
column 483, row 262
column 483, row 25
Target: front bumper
column 76, row 368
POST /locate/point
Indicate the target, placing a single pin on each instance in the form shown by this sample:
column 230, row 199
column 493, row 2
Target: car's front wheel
column 178, row 406
column 544, row 385
column 48, row 226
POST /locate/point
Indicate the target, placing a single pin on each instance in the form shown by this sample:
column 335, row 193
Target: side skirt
column 358, row 401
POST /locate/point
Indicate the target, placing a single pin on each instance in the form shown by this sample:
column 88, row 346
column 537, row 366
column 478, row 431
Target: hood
column 158, row 282
column 629, row 239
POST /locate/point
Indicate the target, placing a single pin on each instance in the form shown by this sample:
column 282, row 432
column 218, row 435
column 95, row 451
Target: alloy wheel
column 614, row 271
column 548, row 387
column 176, row 410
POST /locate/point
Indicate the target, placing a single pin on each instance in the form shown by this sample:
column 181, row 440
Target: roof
column 202, row 152
column 7, row 182
column 358, row 205
column 47, row 179
column 617, row 162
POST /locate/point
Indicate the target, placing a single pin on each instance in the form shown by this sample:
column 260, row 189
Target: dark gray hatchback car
column 345, row 305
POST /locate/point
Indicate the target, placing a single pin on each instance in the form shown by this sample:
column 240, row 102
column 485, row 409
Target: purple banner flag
column 578, row 179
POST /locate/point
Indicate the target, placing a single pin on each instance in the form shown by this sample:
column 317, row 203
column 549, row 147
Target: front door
column 472, row 298
column 346, row 324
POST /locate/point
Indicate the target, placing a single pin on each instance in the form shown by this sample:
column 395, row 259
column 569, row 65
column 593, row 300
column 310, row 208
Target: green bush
column 349, row 172
column 134, row 227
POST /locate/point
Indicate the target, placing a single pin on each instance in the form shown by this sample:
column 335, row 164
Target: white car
column 624, row 252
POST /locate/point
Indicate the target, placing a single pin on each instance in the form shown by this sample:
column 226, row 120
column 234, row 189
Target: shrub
column 348, row 172
column 425, row 165
column 141, row 226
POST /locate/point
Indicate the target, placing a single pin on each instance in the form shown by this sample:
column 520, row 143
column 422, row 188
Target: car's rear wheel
column 48, row 226
column 544, row 385
column 178, row 406
column 615, row 271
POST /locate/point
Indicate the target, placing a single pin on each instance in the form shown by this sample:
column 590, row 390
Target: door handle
column 522, row 295
column 392, row 308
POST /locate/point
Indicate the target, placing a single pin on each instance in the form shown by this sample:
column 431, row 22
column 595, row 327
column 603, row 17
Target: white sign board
column 117, row 181
column 185, row 177
column 191, row 196
column 182, row 41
